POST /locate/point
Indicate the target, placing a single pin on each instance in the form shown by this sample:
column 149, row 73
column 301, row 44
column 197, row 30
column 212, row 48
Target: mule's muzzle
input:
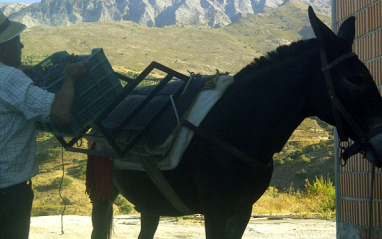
column 374, row 150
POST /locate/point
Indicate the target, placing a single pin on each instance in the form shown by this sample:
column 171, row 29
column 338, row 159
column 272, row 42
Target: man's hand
column 62, row 105
column 76, row 70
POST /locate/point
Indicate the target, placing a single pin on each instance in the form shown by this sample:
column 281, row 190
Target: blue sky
column 27, row 1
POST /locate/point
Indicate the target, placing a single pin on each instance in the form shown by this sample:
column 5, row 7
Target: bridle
column 339, row 110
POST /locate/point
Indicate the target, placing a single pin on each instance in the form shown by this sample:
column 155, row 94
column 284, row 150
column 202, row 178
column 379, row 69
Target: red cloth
column 99, row 177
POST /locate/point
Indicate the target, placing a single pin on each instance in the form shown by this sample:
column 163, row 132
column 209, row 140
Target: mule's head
column 356, row 101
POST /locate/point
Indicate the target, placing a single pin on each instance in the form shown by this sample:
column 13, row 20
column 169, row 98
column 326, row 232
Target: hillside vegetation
column 131, row 47
column 198, row 49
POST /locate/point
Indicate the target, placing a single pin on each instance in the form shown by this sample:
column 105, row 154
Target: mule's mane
column 281, row 56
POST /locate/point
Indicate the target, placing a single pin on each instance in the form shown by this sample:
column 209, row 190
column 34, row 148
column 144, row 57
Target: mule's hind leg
column 149, row 224
column 102, row 217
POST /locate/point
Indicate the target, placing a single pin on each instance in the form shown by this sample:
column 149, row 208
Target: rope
column 164, row 186
column 192, row 75
column 371, row 202
column 175, row 110
column 59, row 190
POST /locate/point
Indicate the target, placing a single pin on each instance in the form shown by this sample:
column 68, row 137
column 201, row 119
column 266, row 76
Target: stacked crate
column 99, row 88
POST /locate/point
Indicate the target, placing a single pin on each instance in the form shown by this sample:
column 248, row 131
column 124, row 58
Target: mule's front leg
column 149, row 224
column 237, row 222
column 215, row 224
column 219, row 225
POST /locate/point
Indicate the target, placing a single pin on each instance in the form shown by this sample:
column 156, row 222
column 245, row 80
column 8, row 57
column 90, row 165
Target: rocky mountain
column 158, row 13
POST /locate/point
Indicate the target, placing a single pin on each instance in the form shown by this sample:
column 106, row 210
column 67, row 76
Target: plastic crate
column 99, row 88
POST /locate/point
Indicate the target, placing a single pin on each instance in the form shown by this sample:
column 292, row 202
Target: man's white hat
column 9, row 29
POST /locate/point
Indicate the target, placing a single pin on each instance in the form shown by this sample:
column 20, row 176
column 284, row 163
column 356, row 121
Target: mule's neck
column 260, row 111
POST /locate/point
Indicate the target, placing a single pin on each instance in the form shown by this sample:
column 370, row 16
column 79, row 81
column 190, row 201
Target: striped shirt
column 21, row 105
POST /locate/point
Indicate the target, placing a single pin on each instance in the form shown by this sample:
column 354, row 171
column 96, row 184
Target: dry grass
column 274, row 202
column 295, row 203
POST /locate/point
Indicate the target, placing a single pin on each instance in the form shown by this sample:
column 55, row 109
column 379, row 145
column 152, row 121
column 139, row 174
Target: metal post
column 336, row 145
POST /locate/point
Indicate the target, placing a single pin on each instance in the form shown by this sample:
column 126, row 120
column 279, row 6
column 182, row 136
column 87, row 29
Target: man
column 21, row 105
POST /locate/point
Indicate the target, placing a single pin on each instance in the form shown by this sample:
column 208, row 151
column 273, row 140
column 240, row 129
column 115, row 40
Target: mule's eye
column 355, row 78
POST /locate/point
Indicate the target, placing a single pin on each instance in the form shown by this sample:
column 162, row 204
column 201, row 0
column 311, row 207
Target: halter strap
column 326, row 66
column 337, row 107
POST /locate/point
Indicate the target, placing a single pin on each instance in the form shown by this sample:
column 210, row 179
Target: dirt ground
column 49, row 227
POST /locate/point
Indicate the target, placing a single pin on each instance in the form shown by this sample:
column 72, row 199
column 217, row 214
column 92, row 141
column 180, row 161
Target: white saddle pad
column 203, row 104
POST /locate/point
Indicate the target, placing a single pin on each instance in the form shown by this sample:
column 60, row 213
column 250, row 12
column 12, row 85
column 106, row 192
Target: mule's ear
column 347, row 31
column 324, row 35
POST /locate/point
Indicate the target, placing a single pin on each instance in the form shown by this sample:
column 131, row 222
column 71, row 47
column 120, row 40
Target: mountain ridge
column 214, row 13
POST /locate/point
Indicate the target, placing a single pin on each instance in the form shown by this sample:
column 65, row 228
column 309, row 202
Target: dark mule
column 268, row 100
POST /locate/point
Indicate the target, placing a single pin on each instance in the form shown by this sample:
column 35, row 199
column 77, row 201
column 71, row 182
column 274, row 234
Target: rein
column 337, row 107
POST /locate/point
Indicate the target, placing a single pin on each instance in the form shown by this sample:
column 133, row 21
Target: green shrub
column 119, row 201
column 42, row 156
column 123, row 205
column 324, row 190
column 302, row 158
column 322, row 144
column 64, row 182
column 279, row 161
column 55, row 153
column 302, row 174
column 125, row 209
column 80, row 170
column 51, row 153
column 297, row 153
column 311, row 148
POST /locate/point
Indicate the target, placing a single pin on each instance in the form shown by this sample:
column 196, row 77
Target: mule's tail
column 102, row 219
